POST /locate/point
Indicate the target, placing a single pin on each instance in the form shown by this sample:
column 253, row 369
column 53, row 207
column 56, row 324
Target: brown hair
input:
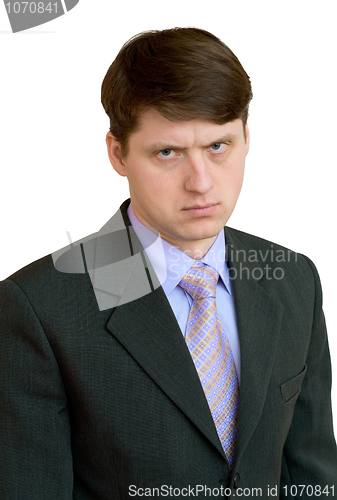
column 184, row 73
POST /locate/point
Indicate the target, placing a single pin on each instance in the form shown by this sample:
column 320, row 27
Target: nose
column 198, row 174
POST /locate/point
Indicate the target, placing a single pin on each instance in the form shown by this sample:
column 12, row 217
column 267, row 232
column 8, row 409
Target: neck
column 196, row 250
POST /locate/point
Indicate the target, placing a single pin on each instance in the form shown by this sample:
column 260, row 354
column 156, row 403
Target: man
column 163, row 355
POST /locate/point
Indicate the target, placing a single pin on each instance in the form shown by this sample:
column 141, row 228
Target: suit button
column 236, row 480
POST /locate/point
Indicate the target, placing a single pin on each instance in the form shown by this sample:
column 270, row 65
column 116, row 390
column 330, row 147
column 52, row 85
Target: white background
column 55, row 174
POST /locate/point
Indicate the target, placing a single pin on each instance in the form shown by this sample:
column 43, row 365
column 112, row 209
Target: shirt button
column 236, row 480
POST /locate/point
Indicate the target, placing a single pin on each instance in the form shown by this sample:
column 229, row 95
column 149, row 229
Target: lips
column 201, row 210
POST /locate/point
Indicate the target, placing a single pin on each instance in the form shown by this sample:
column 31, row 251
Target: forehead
column 156, row 130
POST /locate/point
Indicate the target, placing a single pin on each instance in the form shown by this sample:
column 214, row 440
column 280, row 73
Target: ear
column 247, row 138
column 115, row 154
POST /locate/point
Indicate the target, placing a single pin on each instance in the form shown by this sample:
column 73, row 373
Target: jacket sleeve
column 310, row 457
column 35, row 442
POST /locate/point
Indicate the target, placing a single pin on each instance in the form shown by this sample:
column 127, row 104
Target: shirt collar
column 170, row 263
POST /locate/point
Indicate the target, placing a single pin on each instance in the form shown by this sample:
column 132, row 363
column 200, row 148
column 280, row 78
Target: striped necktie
column 212, row 355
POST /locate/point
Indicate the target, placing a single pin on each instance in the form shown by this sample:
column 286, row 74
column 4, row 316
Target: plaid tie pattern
column 212, row 355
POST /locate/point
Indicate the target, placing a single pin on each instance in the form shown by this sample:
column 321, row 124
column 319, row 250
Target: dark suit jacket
column 95, row 399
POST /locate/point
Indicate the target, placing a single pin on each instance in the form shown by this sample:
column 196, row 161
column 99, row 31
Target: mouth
column 201, row 210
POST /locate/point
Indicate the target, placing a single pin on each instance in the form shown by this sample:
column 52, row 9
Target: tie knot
column 200, row 281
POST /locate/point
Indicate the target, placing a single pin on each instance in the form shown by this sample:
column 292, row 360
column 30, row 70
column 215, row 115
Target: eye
column 166, row 153
column 218, row 147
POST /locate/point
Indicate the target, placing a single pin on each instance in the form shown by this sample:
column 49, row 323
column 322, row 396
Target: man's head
column 183, row 73
column 178, row 105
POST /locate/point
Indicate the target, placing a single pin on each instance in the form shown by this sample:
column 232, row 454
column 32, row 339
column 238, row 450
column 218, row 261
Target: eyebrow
column 160, row 146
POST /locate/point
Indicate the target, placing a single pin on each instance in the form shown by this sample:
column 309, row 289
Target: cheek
column 232, row 178
column 161, row 187
column 152, row 190
column 238, row 177
column 141, row 182
column 237, row 169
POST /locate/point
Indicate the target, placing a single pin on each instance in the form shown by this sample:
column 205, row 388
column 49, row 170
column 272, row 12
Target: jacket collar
column 116, row 262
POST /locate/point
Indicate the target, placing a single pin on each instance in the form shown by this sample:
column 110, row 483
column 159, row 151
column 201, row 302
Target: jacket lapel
column 259, row 317
column 148, row 329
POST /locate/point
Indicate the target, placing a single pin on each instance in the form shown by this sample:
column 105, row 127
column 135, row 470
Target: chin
column 200, row 235
column 205, row 230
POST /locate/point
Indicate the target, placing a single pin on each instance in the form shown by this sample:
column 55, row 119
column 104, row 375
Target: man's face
column 184, row 177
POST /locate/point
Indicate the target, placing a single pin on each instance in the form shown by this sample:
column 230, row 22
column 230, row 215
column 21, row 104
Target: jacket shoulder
column 254, row 250
column 35, row 271
column 242, row 238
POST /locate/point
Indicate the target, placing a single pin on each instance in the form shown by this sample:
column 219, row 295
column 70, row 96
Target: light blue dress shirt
column 170, row 265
